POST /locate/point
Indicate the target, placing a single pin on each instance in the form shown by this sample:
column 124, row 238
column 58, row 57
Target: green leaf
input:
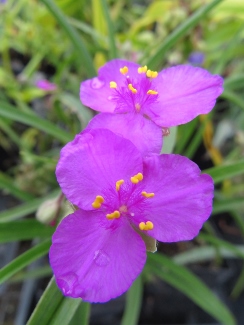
column 39, row 272
column 10, row 133
column 239, row 286
column 83, row 54
column 113, row 50
column 58, row 309
column 223, row 172
column 234, row 82
column 234, row 98
column 195, row 142
column 228, row 205
column 47, row 305
column 23, row 260
column 185, row 133
column 228, row 52
column 23, row 230
column 84, row 114
column 205, row 253
column 179, row 32
column 7, row 184
column 82, row 314
column 221, row 244
column 85, row 28
column 169, row 141
column 12, row 113
column 65, row 312
column 25, row 208
column 133, row 303
column 185, row 281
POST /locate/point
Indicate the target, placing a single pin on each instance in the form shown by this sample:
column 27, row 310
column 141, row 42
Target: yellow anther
column 145, row 194
column 98, row 202
column 137, row 178
column 146, row 226
column 124, row 70
column 152, row 74
column 134, row 91
column 113, row 215
column 142, row 69
column 118, row 184
column 113, row 84
column 152, row 92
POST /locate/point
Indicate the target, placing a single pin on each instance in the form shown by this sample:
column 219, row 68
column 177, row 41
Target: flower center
column 134, row 94
column 127, row 196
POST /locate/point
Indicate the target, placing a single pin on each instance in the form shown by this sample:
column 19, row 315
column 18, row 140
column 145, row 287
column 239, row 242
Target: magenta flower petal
column 94, row 161
column 143, row 133
column 93, row 260
column 184, row 92
column 182, row 201
column 174, row 96
column 46, row 85
column 96, row 92
column 97, row 253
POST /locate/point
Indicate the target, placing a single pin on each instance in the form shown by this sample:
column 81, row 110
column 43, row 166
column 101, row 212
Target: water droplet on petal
column 166, row 132
column 97, row 83
column 67, row 283
column 110, row 97
column 101, row 258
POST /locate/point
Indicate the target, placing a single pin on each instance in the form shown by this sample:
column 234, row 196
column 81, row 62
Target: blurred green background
column 65, row 42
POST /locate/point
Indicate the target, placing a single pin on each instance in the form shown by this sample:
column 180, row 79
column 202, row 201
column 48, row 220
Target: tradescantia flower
column 171, row 97
column 98, row 251
column 46, row 85
column 196, row 58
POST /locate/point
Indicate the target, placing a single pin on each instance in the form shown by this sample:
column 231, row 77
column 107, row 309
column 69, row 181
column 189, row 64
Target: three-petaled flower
column 98, row 251
column 135, row 100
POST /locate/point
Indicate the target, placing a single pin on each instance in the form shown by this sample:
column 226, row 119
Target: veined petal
column 96, row 92
column 182, row 200
column 143, row 133
column 93, row 261
column 93, row 161
column 184, row 92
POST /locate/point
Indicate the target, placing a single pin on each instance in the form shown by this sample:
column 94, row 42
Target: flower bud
column 47, row 211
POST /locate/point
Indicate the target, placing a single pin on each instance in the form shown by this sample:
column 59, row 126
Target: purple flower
column 98, row 251
column 46, row 85
column 171, row 97
column 143, row 133
column 196, row 58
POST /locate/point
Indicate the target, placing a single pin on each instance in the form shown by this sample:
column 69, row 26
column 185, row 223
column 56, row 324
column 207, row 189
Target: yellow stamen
column 152, row 92
column 118, row 184
column 146, row 226
column 142, row 69
column 152, row 74
column 145, row 194
column 113, row 84
column 124, row 70
column 113, row 215
column 137, row 178
column 134, row 91
column 98, row 202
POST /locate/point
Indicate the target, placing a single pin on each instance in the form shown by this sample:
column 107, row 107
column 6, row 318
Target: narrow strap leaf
column 179, row 32
column 83, row 54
